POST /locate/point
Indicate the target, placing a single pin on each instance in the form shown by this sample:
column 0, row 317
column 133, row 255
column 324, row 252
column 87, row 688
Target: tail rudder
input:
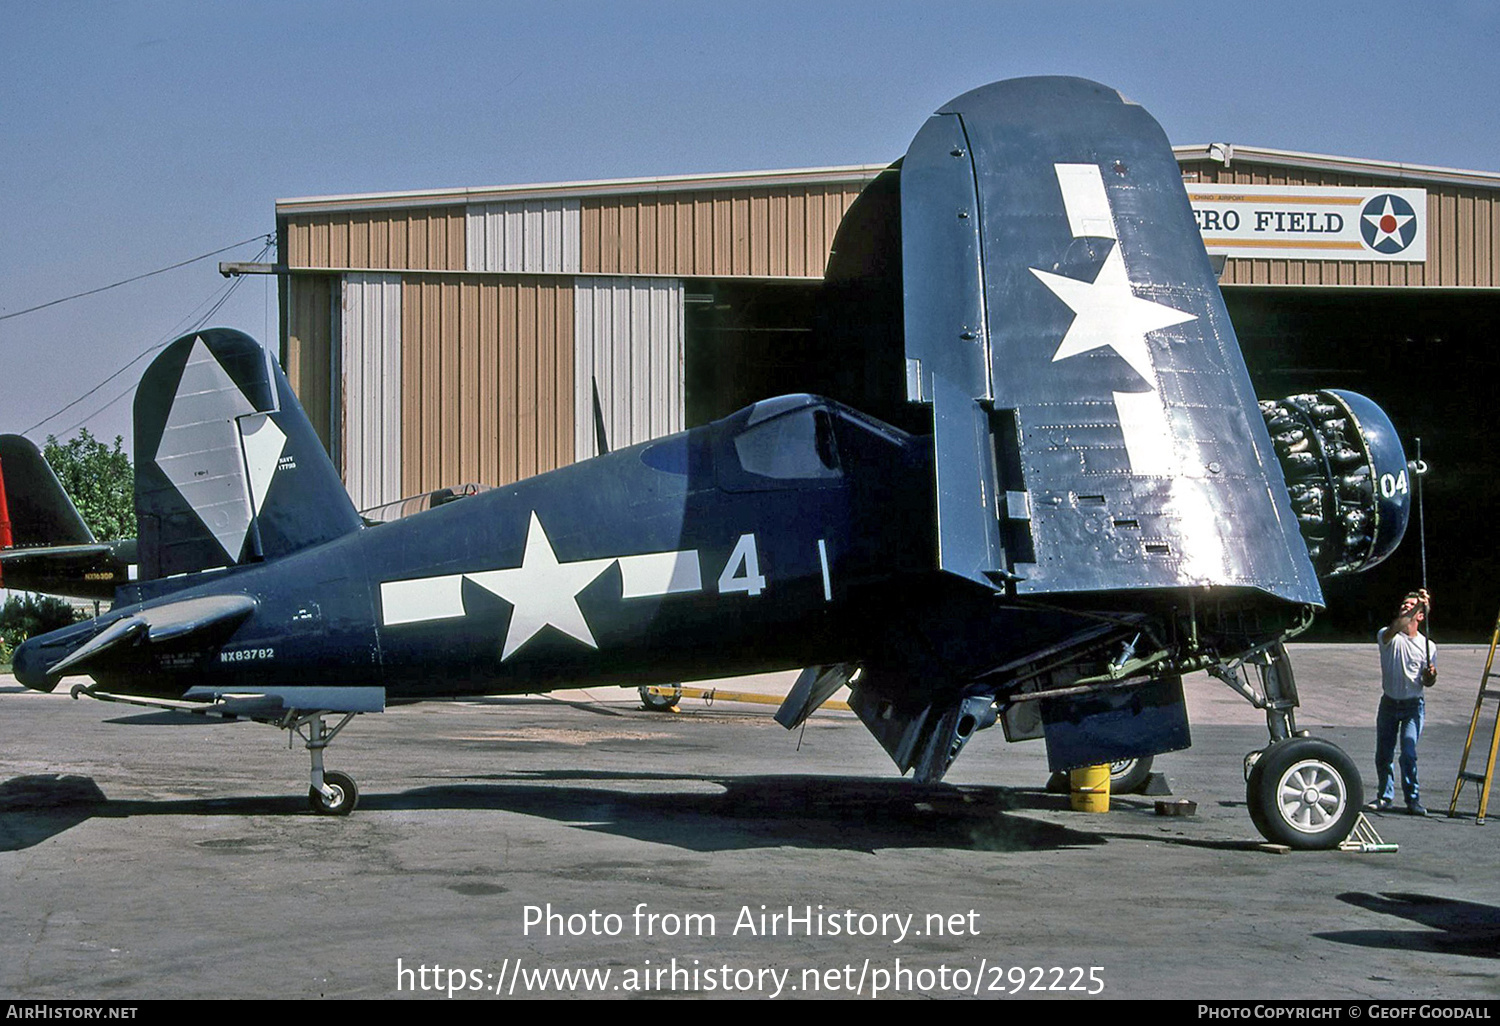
column 38, row 509
column 228, row 467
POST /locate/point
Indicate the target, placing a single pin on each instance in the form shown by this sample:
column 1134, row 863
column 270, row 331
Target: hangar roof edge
column 837, row 175
column 843, row 174
column 1343, row 165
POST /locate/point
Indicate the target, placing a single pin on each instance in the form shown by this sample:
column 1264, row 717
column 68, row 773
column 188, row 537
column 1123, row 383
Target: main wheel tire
column 1128, row 776
column 341, row 805
column 650, row 700
column 1304, row 793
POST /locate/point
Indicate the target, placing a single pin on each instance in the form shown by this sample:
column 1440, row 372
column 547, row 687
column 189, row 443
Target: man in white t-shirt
column 1407, row 668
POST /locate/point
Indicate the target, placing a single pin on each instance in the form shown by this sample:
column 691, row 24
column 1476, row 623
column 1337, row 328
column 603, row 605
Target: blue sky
column 137, row 134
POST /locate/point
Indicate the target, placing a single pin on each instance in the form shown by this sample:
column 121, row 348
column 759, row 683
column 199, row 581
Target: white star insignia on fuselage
column 542, row 591
column 1108, row 313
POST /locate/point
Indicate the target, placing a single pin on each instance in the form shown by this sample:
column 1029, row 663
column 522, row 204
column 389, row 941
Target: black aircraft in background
column 1084, row 502
column 44, row 544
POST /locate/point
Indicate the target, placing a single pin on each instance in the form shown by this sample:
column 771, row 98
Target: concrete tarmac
column 147, row 855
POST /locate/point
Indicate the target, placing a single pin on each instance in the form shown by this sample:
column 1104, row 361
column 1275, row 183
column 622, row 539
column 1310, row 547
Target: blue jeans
column 1398, row 719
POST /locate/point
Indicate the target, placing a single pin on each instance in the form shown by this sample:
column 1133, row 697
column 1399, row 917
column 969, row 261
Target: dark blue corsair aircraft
column 1096, row 505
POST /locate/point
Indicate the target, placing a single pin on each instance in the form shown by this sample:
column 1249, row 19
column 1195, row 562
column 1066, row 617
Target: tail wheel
column 1304, row 793
column 346, row 795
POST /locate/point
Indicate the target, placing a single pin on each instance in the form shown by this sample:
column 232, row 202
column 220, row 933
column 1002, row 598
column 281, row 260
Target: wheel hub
column 1310, row 796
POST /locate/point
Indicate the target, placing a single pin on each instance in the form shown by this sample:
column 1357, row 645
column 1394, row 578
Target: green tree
column 24, row 616
column 99, row 480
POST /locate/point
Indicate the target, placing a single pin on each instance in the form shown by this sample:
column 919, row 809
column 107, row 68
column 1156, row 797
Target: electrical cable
column 131, row 388
column 137, row 359
column 218, row 299
column 138, row 277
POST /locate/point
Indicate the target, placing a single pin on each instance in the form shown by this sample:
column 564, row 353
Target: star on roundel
column 1388, row 224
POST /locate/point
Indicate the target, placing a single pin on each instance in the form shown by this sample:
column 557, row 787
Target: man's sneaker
column 1416, row 808
column 1381, row 805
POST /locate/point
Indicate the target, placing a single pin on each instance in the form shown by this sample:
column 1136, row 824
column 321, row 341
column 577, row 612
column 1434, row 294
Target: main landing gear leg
column 332, row 793
column 1302, row 791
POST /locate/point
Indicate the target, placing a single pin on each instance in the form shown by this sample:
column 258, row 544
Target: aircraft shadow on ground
column 34, row 808
column 170, row 719
column 836, row 813
column 1454, row 927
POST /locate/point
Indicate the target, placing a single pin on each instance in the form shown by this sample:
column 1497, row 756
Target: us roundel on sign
column 1388, row 224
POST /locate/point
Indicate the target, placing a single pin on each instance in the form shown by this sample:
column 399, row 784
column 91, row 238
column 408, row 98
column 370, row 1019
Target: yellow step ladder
column 1485, row 691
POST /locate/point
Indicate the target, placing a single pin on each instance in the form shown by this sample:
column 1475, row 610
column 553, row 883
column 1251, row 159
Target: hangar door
column 1429, row 358
column 628, row 336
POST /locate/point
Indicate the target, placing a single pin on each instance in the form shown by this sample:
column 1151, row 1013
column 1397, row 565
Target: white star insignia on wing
column 542, row 591
column 1108, row 313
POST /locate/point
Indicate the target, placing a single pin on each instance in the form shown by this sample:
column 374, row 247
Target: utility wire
column 218, row 299
column 138, row 277
column 131, row 388
column 69, row 430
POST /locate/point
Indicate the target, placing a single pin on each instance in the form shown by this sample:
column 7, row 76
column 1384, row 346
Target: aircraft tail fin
column 37, row 507
column 228, row 467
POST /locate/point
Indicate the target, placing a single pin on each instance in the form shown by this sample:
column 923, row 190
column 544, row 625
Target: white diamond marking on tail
column 200, row 449
column 263, row 442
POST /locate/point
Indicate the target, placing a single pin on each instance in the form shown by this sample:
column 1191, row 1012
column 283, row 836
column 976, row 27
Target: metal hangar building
column 447, row 336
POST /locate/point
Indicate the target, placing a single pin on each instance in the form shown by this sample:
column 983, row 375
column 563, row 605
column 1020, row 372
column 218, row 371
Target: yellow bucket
column 1090, row 785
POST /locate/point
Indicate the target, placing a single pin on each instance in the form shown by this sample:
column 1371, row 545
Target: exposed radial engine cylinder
column 1347, row 475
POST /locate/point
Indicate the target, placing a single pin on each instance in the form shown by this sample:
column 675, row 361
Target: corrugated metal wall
column 311, row 317
column 371, row 372
column 629, row 334
column 487, row 379
column 766, row 232
column 418, row 239
column 770, row 232
column 478, row 370
column 1462, row 239
column 524, row 237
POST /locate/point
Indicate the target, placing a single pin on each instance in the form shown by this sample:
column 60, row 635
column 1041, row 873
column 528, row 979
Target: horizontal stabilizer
column 172, row 621
column 814, row 686
column 122, row 632
column 82, row 571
